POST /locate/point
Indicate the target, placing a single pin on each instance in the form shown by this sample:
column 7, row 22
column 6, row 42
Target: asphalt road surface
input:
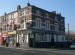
column 9, row 51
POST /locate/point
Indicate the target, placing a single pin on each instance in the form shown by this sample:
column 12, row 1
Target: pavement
column 35, row 51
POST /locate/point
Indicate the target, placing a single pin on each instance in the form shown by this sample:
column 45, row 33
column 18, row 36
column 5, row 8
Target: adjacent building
column 32, row 26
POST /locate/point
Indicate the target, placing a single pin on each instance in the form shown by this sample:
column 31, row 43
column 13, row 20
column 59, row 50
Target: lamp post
column 68, row 33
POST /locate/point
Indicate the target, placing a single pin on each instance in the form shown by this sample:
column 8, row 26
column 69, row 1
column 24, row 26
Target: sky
column 65, row 7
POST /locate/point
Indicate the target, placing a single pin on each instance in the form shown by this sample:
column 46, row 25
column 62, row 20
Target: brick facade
column 35, row 26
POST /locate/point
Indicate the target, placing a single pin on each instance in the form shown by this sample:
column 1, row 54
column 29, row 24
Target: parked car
column 72, row 45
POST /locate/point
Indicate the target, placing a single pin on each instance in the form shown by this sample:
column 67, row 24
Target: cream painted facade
column 12, row 18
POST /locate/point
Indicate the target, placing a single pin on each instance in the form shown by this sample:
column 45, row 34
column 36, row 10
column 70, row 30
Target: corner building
column 37, row 27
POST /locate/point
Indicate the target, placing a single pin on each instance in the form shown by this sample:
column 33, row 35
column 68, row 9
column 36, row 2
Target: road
column 9, row 51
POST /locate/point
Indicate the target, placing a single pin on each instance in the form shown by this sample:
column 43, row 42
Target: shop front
column 4, row 36
column 11, row 39
column 1, row 39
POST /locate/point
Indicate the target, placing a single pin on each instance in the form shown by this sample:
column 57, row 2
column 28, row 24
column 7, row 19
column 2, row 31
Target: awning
column 13, row 32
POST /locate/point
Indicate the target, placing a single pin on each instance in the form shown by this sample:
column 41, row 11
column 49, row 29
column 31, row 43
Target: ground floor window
column 37, row 37
column 21, row 38
column 42, row 37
